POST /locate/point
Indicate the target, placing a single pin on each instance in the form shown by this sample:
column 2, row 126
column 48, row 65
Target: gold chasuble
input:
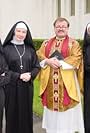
column 58, row 86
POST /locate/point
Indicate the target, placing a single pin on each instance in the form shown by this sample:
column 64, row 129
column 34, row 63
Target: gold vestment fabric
column 65, row 78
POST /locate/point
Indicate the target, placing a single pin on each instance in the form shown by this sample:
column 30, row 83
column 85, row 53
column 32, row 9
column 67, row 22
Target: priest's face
column 61, row 29
column 20, row 34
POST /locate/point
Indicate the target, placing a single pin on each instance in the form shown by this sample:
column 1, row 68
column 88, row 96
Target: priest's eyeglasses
column 63, row 27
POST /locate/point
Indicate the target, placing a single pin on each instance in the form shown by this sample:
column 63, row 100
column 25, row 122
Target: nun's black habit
column 19, row 94
column 86, row 54
column 4, row 79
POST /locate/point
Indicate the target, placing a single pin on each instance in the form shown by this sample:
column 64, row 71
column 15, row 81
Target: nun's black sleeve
column 13, row 75
column 35, row 65
column 5, row 75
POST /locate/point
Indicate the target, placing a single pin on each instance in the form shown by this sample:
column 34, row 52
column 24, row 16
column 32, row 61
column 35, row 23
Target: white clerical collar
column 14, row 41
column 60, row 39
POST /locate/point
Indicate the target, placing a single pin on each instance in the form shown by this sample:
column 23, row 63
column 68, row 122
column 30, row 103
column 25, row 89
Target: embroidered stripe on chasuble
column 57, row 96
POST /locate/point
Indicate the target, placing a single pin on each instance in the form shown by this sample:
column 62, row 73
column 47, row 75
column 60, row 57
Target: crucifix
column 55, row 76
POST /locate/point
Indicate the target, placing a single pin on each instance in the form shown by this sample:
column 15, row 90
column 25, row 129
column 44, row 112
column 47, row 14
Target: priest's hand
column 25, row 77
column 53, row 62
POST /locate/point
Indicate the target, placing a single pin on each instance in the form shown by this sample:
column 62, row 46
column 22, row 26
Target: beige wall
column 39, row 14
column 77, row 22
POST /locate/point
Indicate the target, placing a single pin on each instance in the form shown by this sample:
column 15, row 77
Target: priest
column 61, row 81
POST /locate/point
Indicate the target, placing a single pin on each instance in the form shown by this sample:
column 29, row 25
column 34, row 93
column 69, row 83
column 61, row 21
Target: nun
column 4, row 80
column 86, row 54
column 24, row 66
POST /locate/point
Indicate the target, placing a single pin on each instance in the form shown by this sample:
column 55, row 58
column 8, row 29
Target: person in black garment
column 23, row 64
column 4, row 79
column 86, row 54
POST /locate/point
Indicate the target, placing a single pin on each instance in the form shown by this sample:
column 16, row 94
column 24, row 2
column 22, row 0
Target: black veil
column 85, row 43
column 1, row 48
column 28, row 39
column 86, row 51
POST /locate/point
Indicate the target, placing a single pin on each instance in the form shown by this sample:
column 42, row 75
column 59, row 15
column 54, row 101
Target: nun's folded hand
column 25, row 77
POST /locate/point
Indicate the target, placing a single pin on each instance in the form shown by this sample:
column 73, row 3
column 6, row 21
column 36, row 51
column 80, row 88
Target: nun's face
column 88, row 31
column 20, row 34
